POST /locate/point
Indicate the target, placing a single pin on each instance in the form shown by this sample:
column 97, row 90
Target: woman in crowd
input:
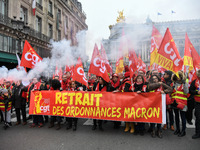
column 156, row 85
column 179, row 99
column 102, row 86
column 139, row 87
column 114, row 85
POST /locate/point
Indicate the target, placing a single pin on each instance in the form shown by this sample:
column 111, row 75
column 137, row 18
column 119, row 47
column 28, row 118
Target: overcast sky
column 102, row 13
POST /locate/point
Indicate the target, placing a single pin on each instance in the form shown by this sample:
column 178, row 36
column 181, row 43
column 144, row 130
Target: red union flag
column 97, row 65
column 141, row 64
column 105, row 58
column 29, row 57
column 79, row 74
column 156, row 39
column 132, row 62
column 195, row 59
column 168, row 56
column 187, row 53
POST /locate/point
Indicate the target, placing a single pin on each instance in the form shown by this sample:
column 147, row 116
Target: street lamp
column 21, row 30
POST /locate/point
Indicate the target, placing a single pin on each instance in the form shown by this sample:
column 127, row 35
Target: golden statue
column 121, row 17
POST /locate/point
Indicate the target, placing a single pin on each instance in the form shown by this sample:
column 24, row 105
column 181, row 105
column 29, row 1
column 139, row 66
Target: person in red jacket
column 102, row 86
column 65, row 81
column 139, row 87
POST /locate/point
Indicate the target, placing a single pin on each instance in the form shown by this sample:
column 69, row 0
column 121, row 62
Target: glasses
column 155, row 79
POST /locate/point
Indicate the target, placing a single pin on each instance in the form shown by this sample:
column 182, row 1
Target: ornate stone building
column 177, row 29
column 53, row 19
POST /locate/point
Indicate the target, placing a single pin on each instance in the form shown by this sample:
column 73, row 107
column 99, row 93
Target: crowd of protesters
column 181, row 99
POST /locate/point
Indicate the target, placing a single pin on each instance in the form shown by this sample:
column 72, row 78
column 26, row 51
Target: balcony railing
column 6, row 21
column 39, row 6
column 50, row 14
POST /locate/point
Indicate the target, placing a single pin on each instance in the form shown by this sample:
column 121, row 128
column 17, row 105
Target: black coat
column 18, row 100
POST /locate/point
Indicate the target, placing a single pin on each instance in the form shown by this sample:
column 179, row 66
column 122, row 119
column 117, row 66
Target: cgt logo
column 41, row 105
column 80, row 71
column 32, row 57
column 100, row 64
column 170, row 51
column 44, row 109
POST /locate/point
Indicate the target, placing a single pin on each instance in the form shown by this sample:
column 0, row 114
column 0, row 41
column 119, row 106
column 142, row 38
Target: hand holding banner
column 127, row 106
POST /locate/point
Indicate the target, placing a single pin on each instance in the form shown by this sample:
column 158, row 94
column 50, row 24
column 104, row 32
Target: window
column 59, row 15
column 1, row 42
column 11, row 50
column 50, row 11
column 5, row 44
column 24, row 14
column 38, row 24
column 4, row 7
column 50, row 34
column 66, row 22
column 59, row 35
column 39, row 4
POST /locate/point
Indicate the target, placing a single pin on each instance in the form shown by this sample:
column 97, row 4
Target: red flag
column 141, row 64
column 132, row 62
column 156, row 39
column 58, row 72
column 191, row 53
column 161, row 69
column 29, row 57
column 168, row 56
column 79, row 74
column 195, row 56
column 97, row 65
column 187, row 53
column 69, row 69
column 105, row 58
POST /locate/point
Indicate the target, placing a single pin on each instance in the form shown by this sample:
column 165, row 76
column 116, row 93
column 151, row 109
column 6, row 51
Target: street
column 24, row 138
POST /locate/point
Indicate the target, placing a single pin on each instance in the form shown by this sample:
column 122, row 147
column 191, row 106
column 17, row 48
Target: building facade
column 178, row 30
column 53, row 19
